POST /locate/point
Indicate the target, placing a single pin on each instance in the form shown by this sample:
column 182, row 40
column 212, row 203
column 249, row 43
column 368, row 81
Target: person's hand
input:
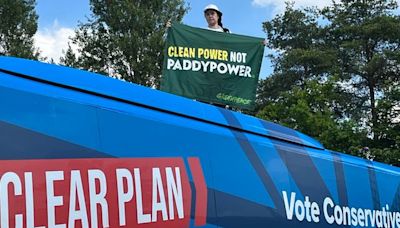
column 168, row 24
column 264, row 42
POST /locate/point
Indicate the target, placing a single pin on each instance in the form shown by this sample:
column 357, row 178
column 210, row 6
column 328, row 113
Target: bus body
column 78, row 149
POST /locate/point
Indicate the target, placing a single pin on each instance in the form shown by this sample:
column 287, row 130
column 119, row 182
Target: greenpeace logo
column 234, row 99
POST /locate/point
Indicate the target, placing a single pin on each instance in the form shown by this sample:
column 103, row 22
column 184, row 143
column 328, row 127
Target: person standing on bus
column 214, row 18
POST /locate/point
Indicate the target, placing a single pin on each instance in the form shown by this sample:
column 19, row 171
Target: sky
column 59, row 18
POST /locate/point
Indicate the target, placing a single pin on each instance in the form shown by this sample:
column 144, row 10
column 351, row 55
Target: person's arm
column 168, row 24
column 265, row 42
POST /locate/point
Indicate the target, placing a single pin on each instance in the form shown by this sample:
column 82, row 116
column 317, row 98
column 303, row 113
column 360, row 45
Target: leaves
column 314, row 110
column 18, row 24
column 337, row 75
column 125, row 39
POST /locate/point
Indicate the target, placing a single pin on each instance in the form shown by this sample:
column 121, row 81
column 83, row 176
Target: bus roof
column 108, row 87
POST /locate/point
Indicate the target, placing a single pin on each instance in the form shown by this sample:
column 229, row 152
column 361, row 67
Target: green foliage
column 313, row 110
column 69, row 58
column 387, row 155
column 18, row 24
column 337, row 76
column 366, row 37
column 125, row 39
column 302, row 50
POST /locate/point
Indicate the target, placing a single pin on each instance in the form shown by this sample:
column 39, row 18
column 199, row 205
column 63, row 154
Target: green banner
column 212, row 66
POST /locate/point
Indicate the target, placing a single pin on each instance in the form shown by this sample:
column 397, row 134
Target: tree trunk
column 374, row 115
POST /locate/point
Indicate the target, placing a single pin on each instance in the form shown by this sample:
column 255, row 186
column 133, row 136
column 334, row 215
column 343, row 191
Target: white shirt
column 219, row 29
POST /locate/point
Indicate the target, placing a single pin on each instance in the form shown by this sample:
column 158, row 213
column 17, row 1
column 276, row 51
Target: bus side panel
column 305, row 187
column 153, row 168
column 82, row 132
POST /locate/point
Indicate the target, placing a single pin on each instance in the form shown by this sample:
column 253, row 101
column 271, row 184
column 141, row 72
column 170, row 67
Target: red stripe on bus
column 200, row 218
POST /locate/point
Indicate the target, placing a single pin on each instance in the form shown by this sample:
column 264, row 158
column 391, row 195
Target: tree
column 69, row 58
column 18, row 24
column 386, row 149
column 366, row 35
column 302, row 52
column 311, row 110
column 125, row 39
column 352, row 46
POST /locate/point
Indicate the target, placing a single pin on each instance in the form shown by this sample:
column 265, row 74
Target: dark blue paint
column 396, row 201
column 282, row 132
column 340, row 179
column 303, row 171
column 374, row 187
column 18, row 143
column 255, row 162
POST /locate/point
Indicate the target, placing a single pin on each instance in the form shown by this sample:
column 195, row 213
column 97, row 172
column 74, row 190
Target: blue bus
column 78, row 149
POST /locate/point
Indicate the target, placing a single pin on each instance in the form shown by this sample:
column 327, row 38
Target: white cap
column 212, row 7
